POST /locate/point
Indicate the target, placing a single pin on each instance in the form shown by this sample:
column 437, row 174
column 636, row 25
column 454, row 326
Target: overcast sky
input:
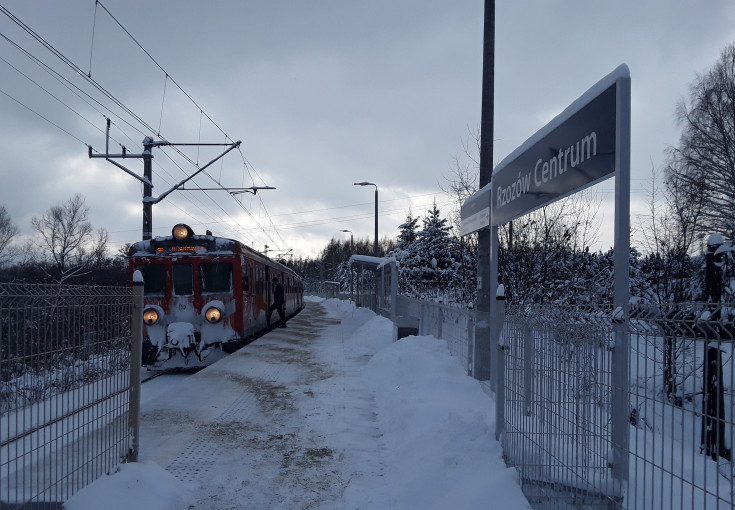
column 322, row 94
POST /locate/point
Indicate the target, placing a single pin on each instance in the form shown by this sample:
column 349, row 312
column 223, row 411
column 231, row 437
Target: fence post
column 422, row 319
column 471, row 346
column 136, row 345
column 499, row 374
column 440, row 320
column 528, row 359
column 620, row 392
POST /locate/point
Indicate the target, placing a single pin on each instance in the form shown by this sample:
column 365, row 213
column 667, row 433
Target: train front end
column 193, row 313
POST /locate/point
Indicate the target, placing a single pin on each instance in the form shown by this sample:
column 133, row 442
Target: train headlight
column 213, row 314
column 151, row 316
column 182, row 232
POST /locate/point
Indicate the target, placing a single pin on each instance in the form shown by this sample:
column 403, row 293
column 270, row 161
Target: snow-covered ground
column 328, row 413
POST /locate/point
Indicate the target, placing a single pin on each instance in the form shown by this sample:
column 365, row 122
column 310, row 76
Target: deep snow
column 388, row 425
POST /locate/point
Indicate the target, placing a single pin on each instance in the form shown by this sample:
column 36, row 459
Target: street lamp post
column 375, row 246
column 352, row 252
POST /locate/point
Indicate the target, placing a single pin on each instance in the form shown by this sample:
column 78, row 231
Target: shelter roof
column 371, row 263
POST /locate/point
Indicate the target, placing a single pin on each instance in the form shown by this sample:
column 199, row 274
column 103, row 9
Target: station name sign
column 577, row 153
column 574, row 151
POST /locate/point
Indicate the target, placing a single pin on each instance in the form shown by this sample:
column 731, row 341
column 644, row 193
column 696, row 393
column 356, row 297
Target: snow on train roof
column 222, row 244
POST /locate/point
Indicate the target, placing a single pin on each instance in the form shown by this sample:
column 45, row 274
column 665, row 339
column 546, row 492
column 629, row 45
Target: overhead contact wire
column 105, row 92
column 41, row 116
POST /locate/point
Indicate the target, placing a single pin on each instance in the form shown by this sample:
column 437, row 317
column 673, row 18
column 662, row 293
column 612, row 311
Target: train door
column 252, row 290
column 246, row 300
column 268, row 289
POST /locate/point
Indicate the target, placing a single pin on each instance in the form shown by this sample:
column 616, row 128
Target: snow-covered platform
column 326, row 413
column 269, row 423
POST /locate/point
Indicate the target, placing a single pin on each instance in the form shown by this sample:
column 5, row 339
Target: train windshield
column 215, row 277
column 154, row 279
column 182, row 277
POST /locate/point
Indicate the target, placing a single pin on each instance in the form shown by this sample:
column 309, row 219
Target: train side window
column 215, row 277
column 244, row 278
column 154, row 279
column 182, row 277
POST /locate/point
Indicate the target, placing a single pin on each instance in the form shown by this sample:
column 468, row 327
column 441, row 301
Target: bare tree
column 67, row 237
column 546, row 255
column 668, row 234
column 8, row 230
column 26, row 254
column 703, row 164
column 464, row 173
column 98, row 251
column 668, row 274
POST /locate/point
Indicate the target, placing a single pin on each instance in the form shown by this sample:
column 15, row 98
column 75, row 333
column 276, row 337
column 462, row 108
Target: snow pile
column 133, row 486
column 338, row 308
column 438, row 428
column 374, row 334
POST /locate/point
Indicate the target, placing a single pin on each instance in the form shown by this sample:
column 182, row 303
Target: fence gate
column 557, row 384
column 65, row 392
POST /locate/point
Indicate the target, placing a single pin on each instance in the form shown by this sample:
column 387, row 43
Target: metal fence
column 65, row 389
column 556, row 393
column 454, row 324
column 556, row 382
column 681, row 407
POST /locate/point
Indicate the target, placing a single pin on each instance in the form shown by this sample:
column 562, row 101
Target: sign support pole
column 621, row 260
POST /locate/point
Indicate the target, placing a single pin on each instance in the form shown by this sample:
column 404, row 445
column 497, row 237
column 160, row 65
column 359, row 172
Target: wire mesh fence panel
column 681, row 407
column 557, row 379
column 64, row 389
column 457, row 327
column 558, row 420
column 454, row 324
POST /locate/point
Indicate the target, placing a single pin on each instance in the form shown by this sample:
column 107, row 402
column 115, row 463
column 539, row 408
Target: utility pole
column 147, row 179
column 147, row 188
column 486, row 282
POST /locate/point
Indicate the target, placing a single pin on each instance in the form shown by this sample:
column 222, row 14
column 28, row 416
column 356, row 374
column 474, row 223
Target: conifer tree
column 407, row 231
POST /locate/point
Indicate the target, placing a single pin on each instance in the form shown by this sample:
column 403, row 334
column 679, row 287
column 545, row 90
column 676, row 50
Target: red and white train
column 205, row 296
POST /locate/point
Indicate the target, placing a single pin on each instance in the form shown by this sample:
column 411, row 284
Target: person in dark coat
column 279, row 303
